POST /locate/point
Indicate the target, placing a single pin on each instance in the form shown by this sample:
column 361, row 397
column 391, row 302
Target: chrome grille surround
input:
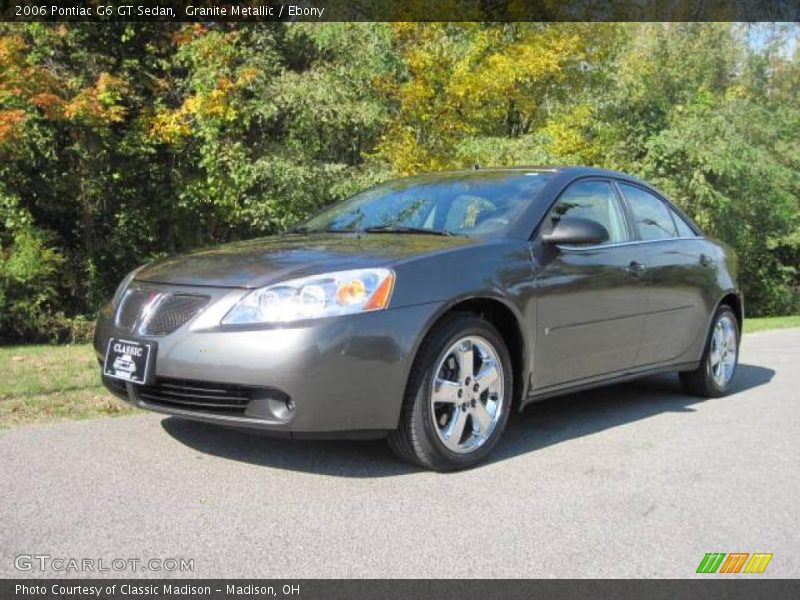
column 131, row 307
column 149, row 312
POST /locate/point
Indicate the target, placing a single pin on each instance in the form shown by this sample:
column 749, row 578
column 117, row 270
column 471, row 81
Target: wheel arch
column 505, row 318
column 734, row 300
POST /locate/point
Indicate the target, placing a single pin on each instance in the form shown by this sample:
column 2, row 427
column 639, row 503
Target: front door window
column 593, row 200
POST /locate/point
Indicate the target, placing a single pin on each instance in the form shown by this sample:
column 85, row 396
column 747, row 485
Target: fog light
column 273, row 405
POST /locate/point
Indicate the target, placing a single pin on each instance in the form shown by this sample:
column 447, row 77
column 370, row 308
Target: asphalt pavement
column 634, row 480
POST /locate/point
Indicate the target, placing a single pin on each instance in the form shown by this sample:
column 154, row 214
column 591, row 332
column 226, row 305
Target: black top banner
column 402, row 10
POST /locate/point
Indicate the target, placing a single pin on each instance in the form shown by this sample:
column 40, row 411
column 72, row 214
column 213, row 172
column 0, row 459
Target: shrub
column 29, row 273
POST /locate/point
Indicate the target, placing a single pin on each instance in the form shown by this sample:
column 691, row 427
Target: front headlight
column 326, row 295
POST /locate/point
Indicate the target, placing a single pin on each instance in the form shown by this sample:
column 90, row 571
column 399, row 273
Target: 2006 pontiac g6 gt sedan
column 428, row 309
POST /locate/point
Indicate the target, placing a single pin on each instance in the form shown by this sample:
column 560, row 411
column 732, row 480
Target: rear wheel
column 458, row 396
column 715, row 373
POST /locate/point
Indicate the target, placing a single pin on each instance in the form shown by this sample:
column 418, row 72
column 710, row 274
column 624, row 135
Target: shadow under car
column 540, row 425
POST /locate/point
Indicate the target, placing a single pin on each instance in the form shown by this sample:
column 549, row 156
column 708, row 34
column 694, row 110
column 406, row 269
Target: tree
column 470, row 89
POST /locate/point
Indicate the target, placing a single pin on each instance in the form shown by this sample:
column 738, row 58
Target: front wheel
column 458, row 396
column 713, row 377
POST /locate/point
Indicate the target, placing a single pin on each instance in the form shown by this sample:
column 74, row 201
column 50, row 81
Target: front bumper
column 344, row 375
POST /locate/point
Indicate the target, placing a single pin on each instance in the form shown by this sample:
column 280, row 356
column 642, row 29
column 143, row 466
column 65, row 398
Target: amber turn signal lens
column 351, row 292
column 380, row 298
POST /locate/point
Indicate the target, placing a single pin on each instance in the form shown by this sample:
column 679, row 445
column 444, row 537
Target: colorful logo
column 736, row 562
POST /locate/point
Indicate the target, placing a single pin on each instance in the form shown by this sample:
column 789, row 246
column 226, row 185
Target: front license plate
column 128, row 360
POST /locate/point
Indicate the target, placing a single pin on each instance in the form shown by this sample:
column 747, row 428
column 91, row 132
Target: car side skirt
column 605, row 380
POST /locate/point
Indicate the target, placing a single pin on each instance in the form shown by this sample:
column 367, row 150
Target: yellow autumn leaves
column 469, row 79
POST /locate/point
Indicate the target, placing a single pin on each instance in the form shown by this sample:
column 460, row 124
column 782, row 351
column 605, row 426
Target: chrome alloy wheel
column 467, row 394
column 722, row 356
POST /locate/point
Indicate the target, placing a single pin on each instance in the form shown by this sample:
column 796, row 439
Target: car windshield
column 479, row 202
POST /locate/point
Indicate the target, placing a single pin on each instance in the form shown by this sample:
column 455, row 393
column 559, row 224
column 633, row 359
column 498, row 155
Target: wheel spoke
column 487, row 375
column 730, row 339
column 716, row 353
column 729, row 358
column 455, row 430
column 481, row 418
column 445, row 391
column 466, row 360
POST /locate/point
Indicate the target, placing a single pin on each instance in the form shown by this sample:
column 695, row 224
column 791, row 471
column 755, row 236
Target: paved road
column 635, row 480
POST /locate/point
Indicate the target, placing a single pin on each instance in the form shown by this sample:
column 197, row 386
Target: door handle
column 636, row 268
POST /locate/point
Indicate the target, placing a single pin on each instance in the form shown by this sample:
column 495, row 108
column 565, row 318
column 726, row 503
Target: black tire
column 415, row 440
column 701, row 382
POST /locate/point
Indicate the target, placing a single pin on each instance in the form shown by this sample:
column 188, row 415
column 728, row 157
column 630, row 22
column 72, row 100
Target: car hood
column 259, row 262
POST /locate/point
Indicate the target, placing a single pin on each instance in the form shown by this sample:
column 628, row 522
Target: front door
column 591, row 299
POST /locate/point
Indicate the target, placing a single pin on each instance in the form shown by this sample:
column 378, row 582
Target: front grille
column 132, row 306
column 173, row 311
column 200, row 396
column 153, row 313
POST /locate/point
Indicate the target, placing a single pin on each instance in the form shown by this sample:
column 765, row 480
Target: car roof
column 564, row 172
column 573, row 170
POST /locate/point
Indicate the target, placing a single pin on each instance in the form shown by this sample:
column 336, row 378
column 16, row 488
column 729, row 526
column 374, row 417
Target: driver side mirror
column 576, row 230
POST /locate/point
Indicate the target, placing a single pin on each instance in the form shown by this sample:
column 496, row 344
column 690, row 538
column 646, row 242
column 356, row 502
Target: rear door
column 591, row 299
column 679, row 270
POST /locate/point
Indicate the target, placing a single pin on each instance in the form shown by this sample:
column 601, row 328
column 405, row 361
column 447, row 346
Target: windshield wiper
column 405, row 229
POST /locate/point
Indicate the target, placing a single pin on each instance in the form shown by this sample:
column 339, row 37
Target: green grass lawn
column 43, row 384
column 764, row 323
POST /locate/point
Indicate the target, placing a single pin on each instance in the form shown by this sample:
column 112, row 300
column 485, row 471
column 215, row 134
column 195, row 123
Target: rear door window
column 683, row 227
column 650, row 215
